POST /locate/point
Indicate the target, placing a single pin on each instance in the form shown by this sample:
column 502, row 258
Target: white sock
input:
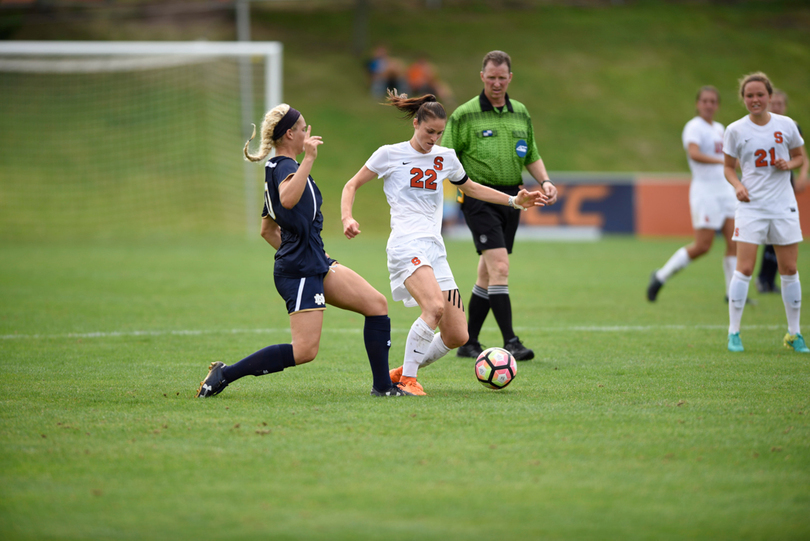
column 679, row 260
column 436, row 351
column 729, row 265
column 792, row 298
column 737, row 294
column 416, row 346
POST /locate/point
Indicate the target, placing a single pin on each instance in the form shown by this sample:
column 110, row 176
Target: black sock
column 478, row 310
column 377, row 336
column 767, row 271
column 502, row 310
column 265, row 361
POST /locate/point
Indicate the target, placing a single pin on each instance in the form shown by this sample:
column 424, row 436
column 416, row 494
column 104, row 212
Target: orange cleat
column 412, row 386
column 396, row 374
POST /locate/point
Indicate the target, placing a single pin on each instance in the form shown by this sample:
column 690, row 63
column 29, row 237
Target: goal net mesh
column 124, row 147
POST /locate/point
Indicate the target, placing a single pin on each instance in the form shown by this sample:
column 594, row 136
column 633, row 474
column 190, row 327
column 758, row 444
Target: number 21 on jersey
column 762, row 155
column 426, row 179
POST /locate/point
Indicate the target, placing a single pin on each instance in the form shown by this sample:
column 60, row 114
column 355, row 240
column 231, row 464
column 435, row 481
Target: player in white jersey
column 711, row 198
column 413, row 174
column 767, row 146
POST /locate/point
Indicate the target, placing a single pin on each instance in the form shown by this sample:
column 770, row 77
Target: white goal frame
column 271, row 51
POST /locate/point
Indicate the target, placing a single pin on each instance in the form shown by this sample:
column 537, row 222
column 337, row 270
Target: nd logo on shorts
column 521, row 148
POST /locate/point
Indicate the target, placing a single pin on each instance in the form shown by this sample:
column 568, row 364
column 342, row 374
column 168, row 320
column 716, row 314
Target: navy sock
column 478, row 310
column 502, row 310
column 377, row 336
column 265, row 361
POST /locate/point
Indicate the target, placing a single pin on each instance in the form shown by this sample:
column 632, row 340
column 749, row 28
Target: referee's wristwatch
column 544, row 181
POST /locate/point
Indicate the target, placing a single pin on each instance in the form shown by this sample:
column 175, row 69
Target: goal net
column 127, row 139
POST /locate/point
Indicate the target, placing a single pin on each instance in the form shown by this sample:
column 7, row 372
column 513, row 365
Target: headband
column 286, row 122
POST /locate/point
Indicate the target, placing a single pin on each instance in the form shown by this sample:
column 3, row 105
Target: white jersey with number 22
column 413, row 185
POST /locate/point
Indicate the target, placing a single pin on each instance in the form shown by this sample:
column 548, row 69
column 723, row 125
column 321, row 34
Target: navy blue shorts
column 304, row 293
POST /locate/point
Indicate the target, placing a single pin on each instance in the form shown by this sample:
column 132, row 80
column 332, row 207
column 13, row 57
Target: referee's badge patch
column 487, row 133
column 482, row 239
column 521, row 148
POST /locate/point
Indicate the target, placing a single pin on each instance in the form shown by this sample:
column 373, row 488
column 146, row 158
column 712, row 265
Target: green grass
column 632, row 423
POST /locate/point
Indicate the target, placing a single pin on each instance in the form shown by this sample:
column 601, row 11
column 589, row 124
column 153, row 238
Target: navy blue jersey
column 301, row 252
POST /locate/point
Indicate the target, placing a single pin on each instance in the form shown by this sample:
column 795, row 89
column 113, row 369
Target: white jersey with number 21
column 757, row 148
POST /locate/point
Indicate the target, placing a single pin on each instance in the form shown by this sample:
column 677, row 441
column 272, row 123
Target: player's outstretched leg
column 214, row 383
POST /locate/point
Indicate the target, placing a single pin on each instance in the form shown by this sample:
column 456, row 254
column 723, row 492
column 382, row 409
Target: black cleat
column 654, row 287
column 214, row 383
column 518, row 350
column 394, row 390
column 471, row 349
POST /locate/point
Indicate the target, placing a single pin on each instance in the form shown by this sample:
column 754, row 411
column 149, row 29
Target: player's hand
column 351, row 228
column 551, row 192
column 527, row 199
column 742, row 194
column 781, row 164
column 311, row 143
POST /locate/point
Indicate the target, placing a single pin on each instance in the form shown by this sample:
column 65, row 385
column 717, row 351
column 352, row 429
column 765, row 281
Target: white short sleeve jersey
column 757, row 147
column 413, row 185
column 709, row 139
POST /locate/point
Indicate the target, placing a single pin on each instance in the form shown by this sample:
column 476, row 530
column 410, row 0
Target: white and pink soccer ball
column 495, row 368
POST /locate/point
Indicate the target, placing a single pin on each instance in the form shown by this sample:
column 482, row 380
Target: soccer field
column 633, row 422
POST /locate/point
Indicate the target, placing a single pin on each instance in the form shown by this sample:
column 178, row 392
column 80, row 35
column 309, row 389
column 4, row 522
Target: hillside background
column 609, row 85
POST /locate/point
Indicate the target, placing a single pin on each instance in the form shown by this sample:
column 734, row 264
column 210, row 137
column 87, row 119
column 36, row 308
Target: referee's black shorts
column 492, row 226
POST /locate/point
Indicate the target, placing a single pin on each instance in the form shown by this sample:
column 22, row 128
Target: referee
column 494, row 139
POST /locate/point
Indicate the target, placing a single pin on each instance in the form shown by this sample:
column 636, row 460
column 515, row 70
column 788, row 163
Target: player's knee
column 499, row 273
column 378, row 305
column 432, row 313
column 456, row 339
column 304, row 353
column 788, row 269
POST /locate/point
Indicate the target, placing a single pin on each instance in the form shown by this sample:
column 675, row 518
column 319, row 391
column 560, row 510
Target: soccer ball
column 495, row 368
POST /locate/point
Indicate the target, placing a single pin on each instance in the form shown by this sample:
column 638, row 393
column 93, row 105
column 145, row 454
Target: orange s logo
column 438, row 163
column 416, row 261
column 777, row 135
column 736, row 231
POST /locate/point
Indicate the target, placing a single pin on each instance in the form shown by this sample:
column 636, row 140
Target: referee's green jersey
column 493, row 145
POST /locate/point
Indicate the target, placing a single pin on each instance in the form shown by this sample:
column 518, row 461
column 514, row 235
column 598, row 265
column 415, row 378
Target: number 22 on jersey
column 426, row 179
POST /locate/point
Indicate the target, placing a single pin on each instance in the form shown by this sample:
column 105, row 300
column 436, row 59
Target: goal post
column 112, row 139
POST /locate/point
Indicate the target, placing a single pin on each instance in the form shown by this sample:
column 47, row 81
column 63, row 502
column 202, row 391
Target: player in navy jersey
column 413, row 174
column 305, row 276
column 767, row 146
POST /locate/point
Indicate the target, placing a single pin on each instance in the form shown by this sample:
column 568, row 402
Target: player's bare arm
column 350, row 226
column 796, row 160
column 271, row 232
column 694, row 152
column 524, row 198
column 730, row 172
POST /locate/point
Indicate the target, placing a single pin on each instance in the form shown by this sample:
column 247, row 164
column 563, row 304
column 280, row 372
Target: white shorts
column 403, row 260
column 711, row 210
column 768, row 230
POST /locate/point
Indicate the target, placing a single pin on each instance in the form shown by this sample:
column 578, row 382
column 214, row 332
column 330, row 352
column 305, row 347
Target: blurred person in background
column 767, row 146
column 305, row 276
column 766, row 280
column 711, row 198
column 493, row 137
column 413, row 174
column 385, row 72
